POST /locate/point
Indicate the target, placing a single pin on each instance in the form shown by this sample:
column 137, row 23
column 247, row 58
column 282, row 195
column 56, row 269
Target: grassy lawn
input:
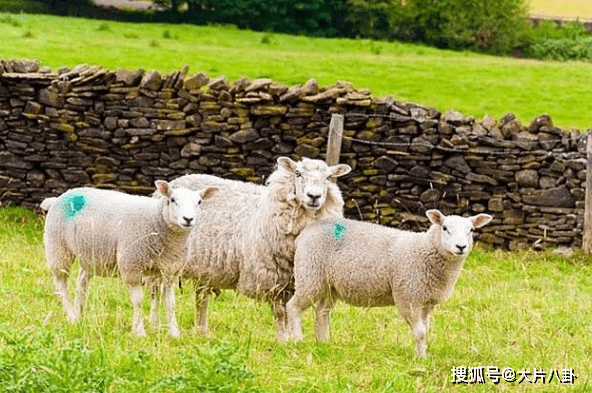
column 472, row 84
column 525, row 310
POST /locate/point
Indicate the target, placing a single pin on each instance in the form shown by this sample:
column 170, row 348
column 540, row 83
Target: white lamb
column 112, row 233
column 245, row 237
column 369, row 265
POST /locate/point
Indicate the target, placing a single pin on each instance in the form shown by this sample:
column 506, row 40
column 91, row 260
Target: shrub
column 493, row 26
column 570, row 30
column 559, row 49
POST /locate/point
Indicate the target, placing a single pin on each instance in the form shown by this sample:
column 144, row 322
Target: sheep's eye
column 199, row 202
column 173, row 200
column 298, row 174
column 445, row 228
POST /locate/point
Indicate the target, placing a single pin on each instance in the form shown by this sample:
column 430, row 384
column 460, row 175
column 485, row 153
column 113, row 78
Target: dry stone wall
column 124, row 129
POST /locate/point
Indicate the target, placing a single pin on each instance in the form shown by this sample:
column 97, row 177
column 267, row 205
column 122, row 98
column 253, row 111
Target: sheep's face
column 182, row 204
column 312, row 179
column 457, row 232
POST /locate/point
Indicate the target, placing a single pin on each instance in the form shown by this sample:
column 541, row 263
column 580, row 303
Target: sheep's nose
column 188, row 220
column 314, row 197
column 461, row 248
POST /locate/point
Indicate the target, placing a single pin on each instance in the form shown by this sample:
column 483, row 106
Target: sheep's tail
column 48, row 203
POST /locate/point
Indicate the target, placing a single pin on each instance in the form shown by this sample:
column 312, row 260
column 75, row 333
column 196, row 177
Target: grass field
column 524, row 311
column 470, row 83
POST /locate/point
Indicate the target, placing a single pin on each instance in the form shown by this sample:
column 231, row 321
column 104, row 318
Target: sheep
column 244, row 240
column 112, row 233
column 369, row 265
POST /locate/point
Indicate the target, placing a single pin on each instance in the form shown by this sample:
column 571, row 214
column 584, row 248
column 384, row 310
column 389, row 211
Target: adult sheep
column 369, row 265
column 115, row 233
column 245, row 237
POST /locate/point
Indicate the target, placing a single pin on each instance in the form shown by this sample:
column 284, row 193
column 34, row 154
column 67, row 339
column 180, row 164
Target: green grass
column 521, row 310
column 470, row 83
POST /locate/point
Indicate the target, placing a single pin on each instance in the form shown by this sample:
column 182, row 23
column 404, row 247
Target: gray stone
column 51, row 97
column 458, row 163
column 527, row 178
column 191, row 149
column 244, row 136
column 385, row 163
column 430, row 196
column 525, row 140
column 219, row 83
column 76, row 177
column 196, row 81
column 307, row 151
column 551, row 197
column 151, row 81
column 495, row 204
column 453, row 117
column 311, row 87
column 540, row 121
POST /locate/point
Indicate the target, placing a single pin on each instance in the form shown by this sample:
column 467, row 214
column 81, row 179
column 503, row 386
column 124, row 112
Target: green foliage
column 217, row 369
column 43, row 362
column 550, row 41
column 560, row 49
column 311, row 17
column 492, row 26
column 547, row 29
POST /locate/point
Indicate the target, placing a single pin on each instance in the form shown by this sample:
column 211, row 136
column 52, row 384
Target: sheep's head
column 180, row 208
column 456, row 233
column 312, row 179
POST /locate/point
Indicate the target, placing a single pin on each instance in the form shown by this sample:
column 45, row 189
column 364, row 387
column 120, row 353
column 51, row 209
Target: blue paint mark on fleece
column 338, row 230
column 73, row 204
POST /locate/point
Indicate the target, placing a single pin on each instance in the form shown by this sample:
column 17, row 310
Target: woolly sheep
column 111, row 233
column 369, row 265
column 245, row 238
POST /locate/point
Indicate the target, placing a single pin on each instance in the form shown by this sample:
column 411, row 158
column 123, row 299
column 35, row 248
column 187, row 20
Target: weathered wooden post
column 334, row 142
column 587, row 239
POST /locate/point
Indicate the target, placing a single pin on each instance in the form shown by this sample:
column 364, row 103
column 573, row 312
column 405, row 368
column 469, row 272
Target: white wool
column 369, row 265
column 245, row 237
column 112, row 233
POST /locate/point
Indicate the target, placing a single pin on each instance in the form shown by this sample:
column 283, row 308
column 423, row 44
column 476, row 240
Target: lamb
column 245, row 238
column 115, row 233
column 369, row 265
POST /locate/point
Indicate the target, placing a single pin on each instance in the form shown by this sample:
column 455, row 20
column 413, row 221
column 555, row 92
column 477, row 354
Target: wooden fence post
column 587, row 239
column 334, row 142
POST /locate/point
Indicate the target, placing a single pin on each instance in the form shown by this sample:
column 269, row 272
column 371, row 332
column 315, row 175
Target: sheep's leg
column 169, row 304
column 60, row 283
column 294, row 310
column 416, row 317
column 324, row 307
column 279, row 312
column 202, row 296
column 154, row 300
column 137, row 295
column 81, row 293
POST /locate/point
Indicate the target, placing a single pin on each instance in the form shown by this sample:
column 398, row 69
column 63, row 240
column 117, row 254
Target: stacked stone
column 531, row 178
column 124, row 129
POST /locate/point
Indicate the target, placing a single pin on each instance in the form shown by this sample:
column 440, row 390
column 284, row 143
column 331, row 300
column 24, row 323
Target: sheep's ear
column 208, row 192
column 287, row 164
column 480, row 220
column 435, row 216
column 340, row 170
column 164, row 188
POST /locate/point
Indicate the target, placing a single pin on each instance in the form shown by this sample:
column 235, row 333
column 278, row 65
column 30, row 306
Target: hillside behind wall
column 124, row 129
